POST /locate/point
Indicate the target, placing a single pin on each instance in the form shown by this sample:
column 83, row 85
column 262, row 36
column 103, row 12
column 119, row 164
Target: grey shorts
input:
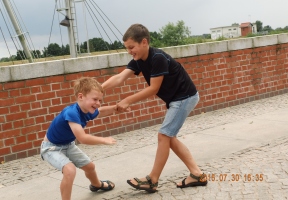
column 176, row 115
column 60, row 155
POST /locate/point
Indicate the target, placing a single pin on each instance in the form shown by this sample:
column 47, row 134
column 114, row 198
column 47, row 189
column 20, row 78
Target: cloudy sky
column 36, row 17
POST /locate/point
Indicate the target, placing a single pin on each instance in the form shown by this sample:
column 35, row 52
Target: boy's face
column 90, row 102
column 137, row 50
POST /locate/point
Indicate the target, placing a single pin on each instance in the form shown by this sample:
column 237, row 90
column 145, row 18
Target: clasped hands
column 123, row 106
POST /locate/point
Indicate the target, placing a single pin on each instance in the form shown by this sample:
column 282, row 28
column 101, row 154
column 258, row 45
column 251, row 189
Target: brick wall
column 223, row 79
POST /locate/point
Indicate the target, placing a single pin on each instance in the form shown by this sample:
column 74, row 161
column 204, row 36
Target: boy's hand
column 109, row 140
column 123, row 106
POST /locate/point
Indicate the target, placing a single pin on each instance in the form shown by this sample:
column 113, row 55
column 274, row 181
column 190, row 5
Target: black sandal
column 140, row 183
column 109, row 187
column 200, row 181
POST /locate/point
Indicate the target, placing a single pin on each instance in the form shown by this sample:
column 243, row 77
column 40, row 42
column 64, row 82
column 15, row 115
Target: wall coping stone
column 74, row 65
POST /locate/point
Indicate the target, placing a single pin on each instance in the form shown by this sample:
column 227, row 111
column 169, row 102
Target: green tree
column 20, row 55
column 259, row 26
column 99, row 44
column 174, row 35
column 156, row 39
column 54, row 50
column 116, row 45
column 267, row 28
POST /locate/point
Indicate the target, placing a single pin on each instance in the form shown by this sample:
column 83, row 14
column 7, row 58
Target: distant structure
column 233, row 31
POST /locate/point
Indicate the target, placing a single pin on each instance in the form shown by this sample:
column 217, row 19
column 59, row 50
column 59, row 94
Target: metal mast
column 70, row 13
column 18, row 30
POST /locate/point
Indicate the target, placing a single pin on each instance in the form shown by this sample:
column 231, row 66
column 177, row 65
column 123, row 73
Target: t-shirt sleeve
column 160, row 65
column 95, row 114
column 133, row 65
column 72, row 116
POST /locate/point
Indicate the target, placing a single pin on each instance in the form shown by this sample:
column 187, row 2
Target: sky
column 36, row 18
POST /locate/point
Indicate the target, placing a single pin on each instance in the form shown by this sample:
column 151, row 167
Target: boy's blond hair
column 84, row 85
column 137, row 32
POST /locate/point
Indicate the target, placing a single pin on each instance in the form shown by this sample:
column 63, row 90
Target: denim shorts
column 60, row 155
column 176, row 114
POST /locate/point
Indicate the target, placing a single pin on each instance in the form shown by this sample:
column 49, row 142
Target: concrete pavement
column 243, row 149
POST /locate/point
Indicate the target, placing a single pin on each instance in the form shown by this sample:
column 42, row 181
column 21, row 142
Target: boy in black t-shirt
column 168, row 80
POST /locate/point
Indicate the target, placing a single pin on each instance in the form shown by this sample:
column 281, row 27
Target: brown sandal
column 200, row 181
column 141, row 183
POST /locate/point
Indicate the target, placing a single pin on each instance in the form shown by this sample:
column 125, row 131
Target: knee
column 69, row 171
column 90, row 167
column 163, row 138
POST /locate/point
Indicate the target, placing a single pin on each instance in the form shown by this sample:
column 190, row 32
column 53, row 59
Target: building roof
column 246, row 24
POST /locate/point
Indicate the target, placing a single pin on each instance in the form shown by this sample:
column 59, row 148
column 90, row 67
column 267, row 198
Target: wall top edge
column 74, row 65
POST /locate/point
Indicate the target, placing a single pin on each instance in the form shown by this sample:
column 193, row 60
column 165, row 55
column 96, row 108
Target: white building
column 232, row 31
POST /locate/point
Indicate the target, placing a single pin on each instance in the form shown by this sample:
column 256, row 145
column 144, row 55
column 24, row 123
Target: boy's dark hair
column 137, row 32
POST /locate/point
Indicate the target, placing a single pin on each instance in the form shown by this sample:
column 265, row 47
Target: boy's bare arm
column 106, row 110
column 84, row 138
column 155, row 84
column 117, row 79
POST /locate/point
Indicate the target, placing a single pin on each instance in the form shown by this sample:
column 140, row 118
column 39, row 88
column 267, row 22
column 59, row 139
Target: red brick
column 4, row 94
column 7, row 126
column 25, row 91
column 95, row 73
column 30, row 129
column 14, row 109
column 16, row 116
column 9, row 142
column 32, row 136
column 22, row 147
column 66, row 92
column 35, row 82
column 4, row 110
column 9, row 134
column 54, row 79
column 37, row 112
column 46, row 88
column 5, row 151
column 29, row 121
column 47, row 95
column 25, row 107
column 40, row 119
column 35, row 90
column 18, row 124
column 56, row 86
column 25, row 99
column 6, row 102
column 20, row 139
column 65, row 85
column 73, row 77
column 14, row 85
column 56, row 109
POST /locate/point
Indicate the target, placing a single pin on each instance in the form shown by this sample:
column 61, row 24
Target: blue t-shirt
column 60, row 132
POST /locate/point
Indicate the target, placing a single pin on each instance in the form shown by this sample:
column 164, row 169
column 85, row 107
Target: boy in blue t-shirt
column 167, row 79
column 58, row 147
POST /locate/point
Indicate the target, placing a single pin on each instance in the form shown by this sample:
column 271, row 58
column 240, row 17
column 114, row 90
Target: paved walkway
column 243, row 149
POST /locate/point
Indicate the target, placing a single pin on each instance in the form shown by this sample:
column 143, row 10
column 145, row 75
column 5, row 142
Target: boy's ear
column 80, row 96
column 144, row 41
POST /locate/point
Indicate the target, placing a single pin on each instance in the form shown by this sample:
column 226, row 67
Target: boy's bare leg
column 69, row 173
column 160, row 159
column 91, row 174
column 184, row 154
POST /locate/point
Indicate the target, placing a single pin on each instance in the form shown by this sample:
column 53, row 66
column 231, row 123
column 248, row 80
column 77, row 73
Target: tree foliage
column 175, row 34
column 259, row 26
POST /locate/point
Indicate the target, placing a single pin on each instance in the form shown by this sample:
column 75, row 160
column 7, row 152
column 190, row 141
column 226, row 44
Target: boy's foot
column 105, row 185
column 193, row 181
column 143, row 184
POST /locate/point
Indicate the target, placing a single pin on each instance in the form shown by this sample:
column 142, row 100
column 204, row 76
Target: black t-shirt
column 176, row 84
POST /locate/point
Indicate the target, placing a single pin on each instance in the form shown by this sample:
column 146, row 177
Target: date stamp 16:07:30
column 235, row 177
